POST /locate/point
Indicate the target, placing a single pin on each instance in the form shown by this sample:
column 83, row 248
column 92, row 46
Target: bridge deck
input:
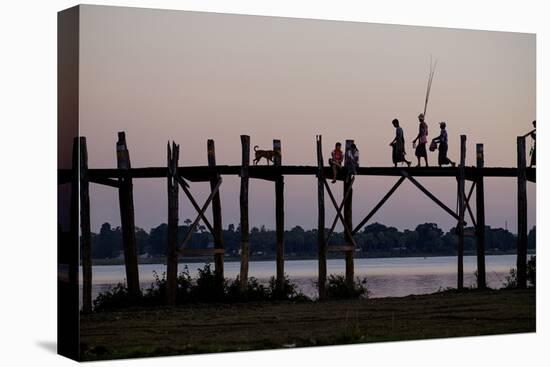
column 204, row 173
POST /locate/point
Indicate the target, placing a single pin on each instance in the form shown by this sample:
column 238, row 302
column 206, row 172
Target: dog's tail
column 256, row 147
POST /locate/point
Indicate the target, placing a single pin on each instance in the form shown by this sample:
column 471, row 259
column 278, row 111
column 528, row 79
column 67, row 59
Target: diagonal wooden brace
column 339, row 215
column 431, row 196
column 471, row 191
column 338, row 209
column 105, row 181
column 470, row 212
column 183, row 185
column 379, row 205
column 201, row 214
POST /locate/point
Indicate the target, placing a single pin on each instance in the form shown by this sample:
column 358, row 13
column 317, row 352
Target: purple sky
column 187, row 76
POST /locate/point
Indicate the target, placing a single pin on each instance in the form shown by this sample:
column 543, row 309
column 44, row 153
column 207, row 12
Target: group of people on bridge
column 441, row 142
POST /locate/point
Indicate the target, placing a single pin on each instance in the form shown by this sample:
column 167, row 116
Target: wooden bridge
column 178, row 177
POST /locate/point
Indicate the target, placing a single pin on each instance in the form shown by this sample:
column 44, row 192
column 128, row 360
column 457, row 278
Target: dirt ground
column 236, row 327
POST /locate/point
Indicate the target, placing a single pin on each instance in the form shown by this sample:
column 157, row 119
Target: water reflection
column 388, row 277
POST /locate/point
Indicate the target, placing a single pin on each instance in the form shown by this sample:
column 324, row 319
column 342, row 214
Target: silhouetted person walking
column 533, row 135
column 443, row 141
column 398, row 145
column 422, row 139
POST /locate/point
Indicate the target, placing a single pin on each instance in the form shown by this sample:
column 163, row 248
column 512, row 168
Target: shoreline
column 162, row 259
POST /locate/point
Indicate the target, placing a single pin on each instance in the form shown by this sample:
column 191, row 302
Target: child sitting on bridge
column 335, row 162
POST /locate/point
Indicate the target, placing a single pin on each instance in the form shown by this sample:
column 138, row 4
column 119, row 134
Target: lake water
column 387, row 277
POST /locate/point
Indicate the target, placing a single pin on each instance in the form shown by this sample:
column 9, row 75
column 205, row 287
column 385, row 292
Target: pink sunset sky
column 166, row 75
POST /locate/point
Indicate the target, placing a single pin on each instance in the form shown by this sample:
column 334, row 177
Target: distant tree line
column 375, row 239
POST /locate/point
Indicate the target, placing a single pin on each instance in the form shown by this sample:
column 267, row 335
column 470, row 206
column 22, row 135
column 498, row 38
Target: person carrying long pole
column 422, row 137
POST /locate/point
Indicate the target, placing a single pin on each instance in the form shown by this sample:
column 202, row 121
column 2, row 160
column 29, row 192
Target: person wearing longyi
column 443, row 141
column 352, row 160
column 533, row 136
column 398, row 145
column 422, row 139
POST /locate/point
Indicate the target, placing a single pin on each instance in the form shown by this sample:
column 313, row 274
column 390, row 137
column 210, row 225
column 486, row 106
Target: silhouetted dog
column 267, row 154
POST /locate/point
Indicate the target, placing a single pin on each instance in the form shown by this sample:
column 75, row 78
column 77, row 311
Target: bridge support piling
column 321, row 240
column 480, row 221
column 522, row 215
column 461, row 210
column 85, row 228
column 245, row 234
column 173, row 219
column 217, row 216
column 348, row 212
column 279, row 218
column 126, row 200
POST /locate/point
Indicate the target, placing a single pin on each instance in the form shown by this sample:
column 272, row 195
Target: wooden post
column 216, row 214
column 85, row 229
column 522, row 215
column 245, row 235
column 74, row 256
column 279, row 218
column 68, row 244
column 322, row 245
column 126, row 200
column 461, row 210
column 173, row 219
column 480, row 219
column 348, row 220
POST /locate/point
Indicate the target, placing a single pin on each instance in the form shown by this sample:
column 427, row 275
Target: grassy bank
column 231, row 327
